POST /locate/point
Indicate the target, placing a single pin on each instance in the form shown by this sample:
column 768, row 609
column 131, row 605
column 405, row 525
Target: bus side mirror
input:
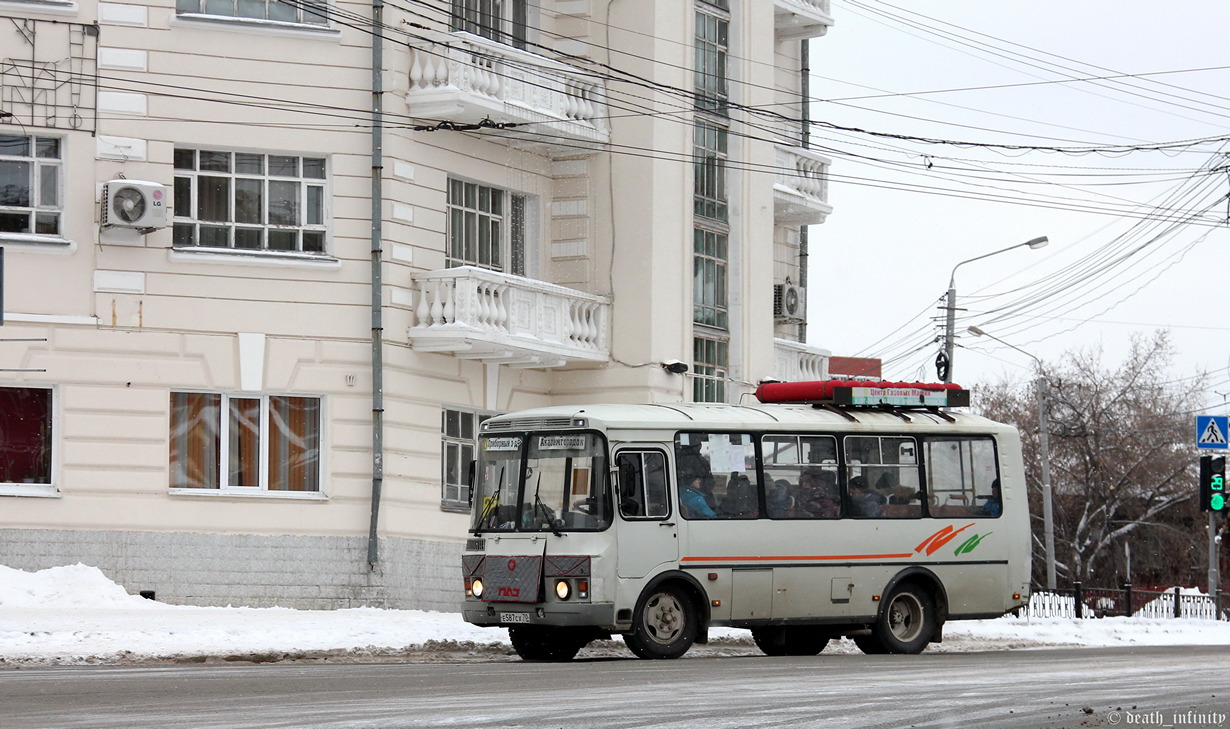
column 470, row 483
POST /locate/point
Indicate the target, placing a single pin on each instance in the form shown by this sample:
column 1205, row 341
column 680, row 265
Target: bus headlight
column 476, row 587
column 563, row 590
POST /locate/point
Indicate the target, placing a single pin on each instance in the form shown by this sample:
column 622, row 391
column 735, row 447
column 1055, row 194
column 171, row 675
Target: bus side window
column 642, row 484
column 962, row 477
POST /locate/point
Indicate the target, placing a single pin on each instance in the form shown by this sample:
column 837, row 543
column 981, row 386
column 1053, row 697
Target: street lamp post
column 951, row 319
column 1048, row 514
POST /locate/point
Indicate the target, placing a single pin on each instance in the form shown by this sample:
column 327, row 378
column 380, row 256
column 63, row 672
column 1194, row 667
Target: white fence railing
column 480, row 314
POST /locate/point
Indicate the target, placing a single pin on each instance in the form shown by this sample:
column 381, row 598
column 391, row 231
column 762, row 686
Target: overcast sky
column 1135, row 241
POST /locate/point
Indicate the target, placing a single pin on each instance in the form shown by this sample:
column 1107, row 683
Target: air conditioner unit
column 134, row 204
column 789, row 302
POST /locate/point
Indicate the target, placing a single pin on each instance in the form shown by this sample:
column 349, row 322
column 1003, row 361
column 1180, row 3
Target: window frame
column 710, row 374
column 688, row 467
column 460, row 502
column 52, row 438
column 222, row 435
column 641, row 456
column 514, row 247
column 202, row 10
column 36, row 188
column 188, row 190
column 512, row 20
column 970, row 509
column 711, row 54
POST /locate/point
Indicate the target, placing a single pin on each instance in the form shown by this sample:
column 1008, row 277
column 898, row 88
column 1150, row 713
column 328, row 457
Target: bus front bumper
column 510, row 614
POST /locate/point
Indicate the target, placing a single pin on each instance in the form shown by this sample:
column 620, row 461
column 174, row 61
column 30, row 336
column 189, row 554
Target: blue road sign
column 1212, row 432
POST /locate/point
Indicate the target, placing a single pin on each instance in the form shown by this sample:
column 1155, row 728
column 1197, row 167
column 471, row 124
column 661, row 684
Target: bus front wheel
column 906, row 624
column 665, row 625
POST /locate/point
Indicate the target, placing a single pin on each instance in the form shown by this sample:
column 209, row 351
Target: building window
column 503, row 21
column 709, row 183
column 245, row 443
column 249, row 201
column 309, row 12
column 459, row 434
column 712, row 45
column 709, row 306
column 31, row 168
column 710, row 362
column 486, row 227
column 25, row 435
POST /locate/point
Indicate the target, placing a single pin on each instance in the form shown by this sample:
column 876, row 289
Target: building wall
column 122, row 321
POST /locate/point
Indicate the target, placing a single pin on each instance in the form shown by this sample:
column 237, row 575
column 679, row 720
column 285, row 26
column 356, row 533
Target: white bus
column 828, row 509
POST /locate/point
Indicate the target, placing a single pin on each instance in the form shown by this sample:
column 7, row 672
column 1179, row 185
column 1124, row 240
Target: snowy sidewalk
column 75, row 615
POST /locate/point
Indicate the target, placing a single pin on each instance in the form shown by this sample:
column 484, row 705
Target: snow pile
column 74, row 614
column 73, row 586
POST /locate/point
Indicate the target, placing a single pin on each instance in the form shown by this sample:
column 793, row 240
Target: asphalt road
column 1137, row 687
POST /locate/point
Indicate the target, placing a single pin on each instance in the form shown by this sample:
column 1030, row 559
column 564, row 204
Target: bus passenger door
column 646, row 531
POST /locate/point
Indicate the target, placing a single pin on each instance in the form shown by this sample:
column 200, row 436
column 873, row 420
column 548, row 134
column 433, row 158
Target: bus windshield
column 534, row 482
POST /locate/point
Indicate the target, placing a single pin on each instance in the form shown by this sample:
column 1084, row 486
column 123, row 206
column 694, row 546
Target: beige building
column 268, row 264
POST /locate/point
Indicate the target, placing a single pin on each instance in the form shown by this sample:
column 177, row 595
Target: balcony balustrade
column 799, row 19
column 795, row 362
column 801, row 188
column 462, row 79
column 498, row 318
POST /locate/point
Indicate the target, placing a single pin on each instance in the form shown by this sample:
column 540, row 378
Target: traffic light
column 1213, row 483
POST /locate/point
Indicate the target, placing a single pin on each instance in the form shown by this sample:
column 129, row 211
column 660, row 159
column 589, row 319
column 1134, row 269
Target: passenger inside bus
column 863, row 501
column 740, row 497
column 692, row 499
column 779, row 501
column 818, row 495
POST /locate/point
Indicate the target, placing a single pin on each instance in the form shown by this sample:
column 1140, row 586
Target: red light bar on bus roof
column 865, row 393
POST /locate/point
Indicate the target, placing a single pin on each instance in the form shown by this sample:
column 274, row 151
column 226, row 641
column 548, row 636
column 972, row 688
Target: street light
column 949, row 333
column 1048, row 514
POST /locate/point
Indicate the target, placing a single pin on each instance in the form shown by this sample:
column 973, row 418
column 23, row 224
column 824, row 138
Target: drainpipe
column 373, row 554
column 804, row 141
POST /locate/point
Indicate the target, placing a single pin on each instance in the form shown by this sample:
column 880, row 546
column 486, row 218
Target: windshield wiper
column 491, row 505
column 546, row 511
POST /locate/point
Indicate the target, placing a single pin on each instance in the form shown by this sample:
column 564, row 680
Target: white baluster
column 424, row 309
column 416, row 69
column 448, row 313
column 502, row 313
column 566, row 327
column 438, row 305
column 484, row 310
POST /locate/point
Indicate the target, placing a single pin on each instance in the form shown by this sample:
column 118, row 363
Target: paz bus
column 828, row 509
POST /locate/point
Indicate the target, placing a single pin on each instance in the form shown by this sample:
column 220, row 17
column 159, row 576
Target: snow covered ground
column 75, row 615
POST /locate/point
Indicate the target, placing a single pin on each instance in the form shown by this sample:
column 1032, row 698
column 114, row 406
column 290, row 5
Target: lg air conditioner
column 134, row 204
column 789, row 302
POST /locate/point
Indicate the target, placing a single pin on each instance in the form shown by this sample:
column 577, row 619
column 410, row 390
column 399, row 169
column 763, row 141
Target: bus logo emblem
column 512, row 565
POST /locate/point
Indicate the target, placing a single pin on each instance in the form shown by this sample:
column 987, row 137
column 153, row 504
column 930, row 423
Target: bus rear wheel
column 906, row 624
column 665, row 625
column 790, row 640
column 542, row 643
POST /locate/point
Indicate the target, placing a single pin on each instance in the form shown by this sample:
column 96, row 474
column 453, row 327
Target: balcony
column 460, row 80
column 801, row 188
column 799, row 19
column 496, row 318
column 795, row 362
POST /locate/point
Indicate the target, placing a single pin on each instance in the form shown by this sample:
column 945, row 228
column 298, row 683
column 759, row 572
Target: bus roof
column 692, row 416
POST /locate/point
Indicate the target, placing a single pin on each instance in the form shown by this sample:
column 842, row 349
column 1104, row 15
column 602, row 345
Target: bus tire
column 541, row 643
column 790, row 640
column 665, row 624
column 907, row 622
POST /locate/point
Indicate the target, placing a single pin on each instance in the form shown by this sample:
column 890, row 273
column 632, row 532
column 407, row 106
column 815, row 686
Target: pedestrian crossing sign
column 1212, row 432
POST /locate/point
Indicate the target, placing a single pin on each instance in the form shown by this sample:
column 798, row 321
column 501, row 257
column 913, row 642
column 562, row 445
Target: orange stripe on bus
column 797, row 558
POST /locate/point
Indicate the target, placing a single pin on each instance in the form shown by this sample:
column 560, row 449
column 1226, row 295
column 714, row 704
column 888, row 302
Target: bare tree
column 1122, row 462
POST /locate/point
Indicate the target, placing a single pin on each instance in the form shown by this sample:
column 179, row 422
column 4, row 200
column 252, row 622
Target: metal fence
column 1098, row 602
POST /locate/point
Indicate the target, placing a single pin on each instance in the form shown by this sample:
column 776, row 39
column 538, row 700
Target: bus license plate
column 514, row 617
